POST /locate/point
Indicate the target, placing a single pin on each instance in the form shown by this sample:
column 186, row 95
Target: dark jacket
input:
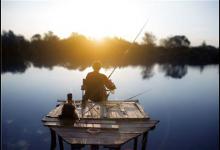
column 95, row 86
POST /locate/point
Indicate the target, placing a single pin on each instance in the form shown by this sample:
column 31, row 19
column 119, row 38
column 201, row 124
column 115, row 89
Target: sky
column 197, row 19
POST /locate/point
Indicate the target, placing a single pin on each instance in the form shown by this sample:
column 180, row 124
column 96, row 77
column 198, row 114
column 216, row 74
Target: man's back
column 95, row 86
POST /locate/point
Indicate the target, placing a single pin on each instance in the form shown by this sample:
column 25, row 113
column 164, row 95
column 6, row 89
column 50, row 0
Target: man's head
column 69, row 98
column 96, row 65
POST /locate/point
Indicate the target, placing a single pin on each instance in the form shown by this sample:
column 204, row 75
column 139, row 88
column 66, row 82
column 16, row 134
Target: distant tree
column 178, row 41
column 36, row 37
column 50, row 36
column 203, row 44
column 77, row 37
column 8, row 36
column 149, row 39
column 14, row 52
column 12, row 41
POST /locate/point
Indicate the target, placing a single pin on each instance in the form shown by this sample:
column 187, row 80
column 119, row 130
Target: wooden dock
column 124, row 121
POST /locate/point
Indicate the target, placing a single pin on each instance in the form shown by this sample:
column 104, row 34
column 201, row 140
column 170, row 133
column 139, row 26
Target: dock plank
column 141, row 109
column 55, row 112
column 82, row 125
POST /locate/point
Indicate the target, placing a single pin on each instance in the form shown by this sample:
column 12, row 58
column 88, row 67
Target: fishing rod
column 125, row 52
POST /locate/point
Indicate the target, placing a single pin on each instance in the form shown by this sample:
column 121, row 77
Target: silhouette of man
column 96, row 84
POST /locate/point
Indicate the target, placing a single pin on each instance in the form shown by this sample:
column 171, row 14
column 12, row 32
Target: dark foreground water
column 185, row 100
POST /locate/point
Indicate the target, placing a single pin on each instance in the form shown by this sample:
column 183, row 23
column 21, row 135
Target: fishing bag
column 69, row 112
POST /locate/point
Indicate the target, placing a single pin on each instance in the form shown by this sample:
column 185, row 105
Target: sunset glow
column 97, row 18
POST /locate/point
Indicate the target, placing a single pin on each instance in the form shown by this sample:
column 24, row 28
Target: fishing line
column 139, row 94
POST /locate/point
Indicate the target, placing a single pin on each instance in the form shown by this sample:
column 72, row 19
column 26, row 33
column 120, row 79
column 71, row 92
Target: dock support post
column 94, row 147
column 76, row 147
column 60, row 142
column 118, row 148
column 113, row 147
column 135, row 143
column 144, row 140
column 53, row 140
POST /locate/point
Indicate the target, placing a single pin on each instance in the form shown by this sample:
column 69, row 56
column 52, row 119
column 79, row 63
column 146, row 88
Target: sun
column 96, row 19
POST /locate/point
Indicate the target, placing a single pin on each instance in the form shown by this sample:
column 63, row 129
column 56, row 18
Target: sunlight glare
column 96, row 19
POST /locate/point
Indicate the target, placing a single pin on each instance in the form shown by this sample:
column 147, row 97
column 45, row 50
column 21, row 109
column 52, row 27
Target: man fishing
column 96, row 85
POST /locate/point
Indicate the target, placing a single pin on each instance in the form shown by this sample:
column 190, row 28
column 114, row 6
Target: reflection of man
column 96, row 84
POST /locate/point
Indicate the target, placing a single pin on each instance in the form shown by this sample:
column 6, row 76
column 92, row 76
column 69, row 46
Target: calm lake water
column 186, row 102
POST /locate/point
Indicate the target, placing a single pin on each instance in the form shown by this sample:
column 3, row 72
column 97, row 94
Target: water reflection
column 174, row 71
column 169, row 70
column 147, row 72
column 177, row 71
column 19, row 67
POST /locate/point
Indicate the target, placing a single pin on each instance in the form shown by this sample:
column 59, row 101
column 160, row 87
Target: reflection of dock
column 126, row 120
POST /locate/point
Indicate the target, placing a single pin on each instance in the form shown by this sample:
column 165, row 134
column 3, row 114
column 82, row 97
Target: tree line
column 78, row 52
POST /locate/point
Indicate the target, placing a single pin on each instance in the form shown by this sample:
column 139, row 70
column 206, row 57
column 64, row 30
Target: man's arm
column 108, row 83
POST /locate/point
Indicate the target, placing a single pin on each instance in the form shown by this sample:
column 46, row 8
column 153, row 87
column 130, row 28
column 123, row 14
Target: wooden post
column 144, row 140
column 94, row 147
column 113, row 147
column 118, row 148
column 135, row 143
column 76, row 147
column 60, row 142
column 53, row 140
